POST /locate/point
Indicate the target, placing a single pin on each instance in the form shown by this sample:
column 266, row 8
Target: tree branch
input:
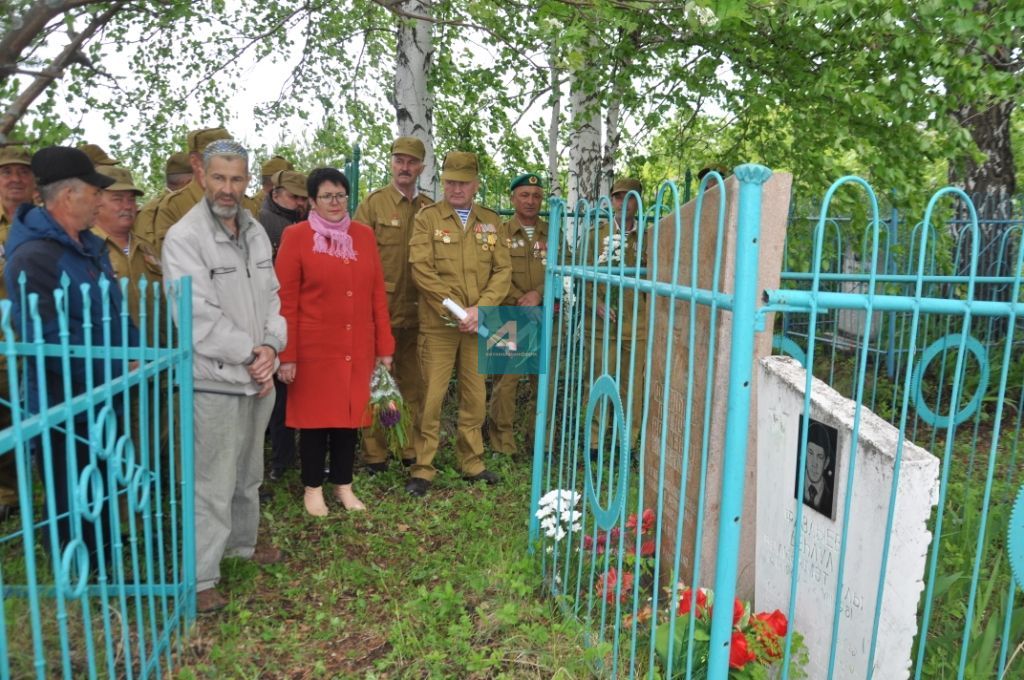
column 55, row 70
column 28, row 27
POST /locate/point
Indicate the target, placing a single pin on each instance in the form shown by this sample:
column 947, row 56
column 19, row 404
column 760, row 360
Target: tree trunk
column 414, row 104
column 554, row 182
column 611, row 147
column 992, row 182
column 585, row 150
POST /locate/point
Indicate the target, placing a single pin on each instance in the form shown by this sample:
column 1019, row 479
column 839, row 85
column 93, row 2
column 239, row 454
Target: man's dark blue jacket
column 39, row 247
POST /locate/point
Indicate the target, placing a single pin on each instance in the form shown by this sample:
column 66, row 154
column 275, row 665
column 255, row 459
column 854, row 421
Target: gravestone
column 676, row 369
column 779, row 416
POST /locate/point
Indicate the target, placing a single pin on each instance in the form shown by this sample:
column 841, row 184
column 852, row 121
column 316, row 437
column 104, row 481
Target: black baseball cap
column 54, row 163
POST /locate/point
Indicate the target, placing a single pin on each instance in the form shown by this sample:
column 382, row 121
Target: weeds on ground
column 440, row 586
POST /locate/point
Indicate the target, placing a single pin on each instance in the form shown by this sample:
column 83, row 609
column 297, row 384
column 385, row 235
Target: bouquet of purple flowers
column 390, row 414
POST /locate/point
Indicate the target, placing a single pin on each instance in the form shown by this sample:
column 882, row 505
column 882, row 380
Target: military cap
column 275, row 164
column 624, row 184
column 527, row 179
column 122, row 179
column 15, row 155
column 410, row 146
column 291, row 181
column 54, row 163
column 96, row 154
column 199, row 139
column 460, row 166
column 177, row 164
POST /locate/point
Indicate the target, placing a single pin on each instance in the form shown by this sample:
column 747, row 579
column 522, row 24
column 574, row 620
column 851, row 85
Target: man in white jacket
column 237, row 331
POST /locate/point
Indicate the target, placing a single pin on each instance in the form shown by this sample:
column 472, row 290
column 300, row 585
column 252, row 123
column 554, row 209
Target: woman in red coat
column 332, row 296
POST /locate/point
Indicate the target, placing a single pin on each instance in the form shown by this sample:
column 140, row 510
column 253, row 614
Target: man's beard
column 224, row 212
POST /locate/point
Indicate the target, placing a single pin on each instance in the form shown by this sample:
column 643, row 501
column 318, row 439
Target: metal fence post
column 741, row 358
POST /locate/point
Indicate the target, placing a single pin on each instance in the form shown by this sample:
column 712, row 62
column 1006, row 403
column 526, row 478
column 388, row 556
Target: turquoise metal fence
column 97, row 564
column 675, row 505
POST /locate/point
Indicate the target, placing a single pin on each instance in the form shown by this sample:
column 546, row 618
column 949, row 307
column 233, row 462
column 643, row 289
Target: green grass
column 440, row 586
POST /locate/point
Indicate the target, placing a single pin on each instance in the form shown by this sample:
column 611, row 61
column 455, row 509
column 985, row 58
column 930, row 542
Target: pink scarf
column 332, row 237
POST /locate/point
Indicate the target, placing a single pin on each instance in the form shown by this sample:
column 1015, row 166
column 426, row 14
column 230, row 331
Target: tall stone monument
column 709, row 368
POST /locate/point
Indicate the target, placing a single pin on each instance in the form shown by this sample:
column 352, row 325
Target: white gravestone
column 781, row 386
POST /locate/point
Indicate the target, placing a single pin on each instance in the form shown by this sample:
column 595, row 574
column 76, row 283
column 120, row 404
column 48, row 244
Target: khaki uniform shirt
column 175, row 204
column 529, row 259
column 141, row 260
column 631, row 259
column 5, row 230
column 391, row 216
column 143, row 226
column 470, row 264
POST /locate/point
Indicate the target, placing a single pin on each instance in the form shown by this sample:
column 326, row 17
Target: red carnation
column 775, row 622
column 605, row 587
column 737, row 612
column 739, row 654
column 687, row 595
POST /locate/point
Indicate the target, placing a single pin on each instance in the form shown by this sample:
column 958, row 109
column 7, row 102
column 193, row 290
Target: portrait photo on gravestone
column 819, row 468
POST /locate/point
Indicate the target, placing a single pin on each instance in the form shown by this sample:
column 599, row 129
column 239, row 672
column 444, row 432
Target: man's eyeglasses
column 331, row 198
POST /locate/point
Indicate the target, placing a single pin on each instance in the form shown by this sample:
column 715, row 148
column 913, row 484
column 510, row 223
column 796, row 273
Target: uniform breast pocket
column 520, row 262
column 390, row 235
column 445, row 259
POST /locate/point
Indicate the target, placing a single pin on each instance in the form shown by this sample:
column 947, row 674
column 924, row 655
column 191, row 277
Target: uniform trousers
column 229, row 431
column 410, row 384
column 503, row 411
column 441, row 351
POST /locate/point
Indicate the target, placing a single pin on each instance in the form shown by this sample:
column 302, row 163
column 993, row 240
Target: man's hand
column 286, row 373
column 530, row 299
column 387, row 361
column 262, row 369
column 471, row 323
column 603, row 311
column 266, row 388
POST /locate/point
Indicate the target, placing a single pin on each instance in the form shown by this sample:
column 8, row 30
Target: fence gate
column 705, row 509
column 97, row 561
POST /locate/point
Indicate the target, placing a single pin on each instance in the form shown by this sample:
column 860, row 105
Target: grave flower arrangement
column 390, row 413
column 611, row 250
column 557, row 513
column 756, row 648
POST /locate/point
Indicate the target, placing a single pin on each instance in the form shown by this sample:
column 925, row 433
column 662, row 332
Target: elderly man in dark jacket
column 45, row 244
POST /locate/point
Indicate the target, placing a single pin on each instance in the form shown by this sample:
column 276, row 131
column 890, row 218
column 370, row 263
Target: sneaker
column 417, row 487
column 376, row 468
column 267, row 554
column 486, row 476
column 209, row 601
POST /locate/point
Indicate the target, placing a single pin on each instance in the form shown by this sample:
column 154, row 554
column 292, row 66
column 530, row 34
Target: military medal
column 491, row 239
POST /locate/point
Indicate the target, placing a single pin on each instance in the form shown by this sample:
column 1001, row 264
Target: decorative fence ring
column 923, row 410
column 124, row 459
column 103, row 437
column 89, row 505
column 605, row 518
column 76, row 552
column 789, row 346
column 140, row 489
